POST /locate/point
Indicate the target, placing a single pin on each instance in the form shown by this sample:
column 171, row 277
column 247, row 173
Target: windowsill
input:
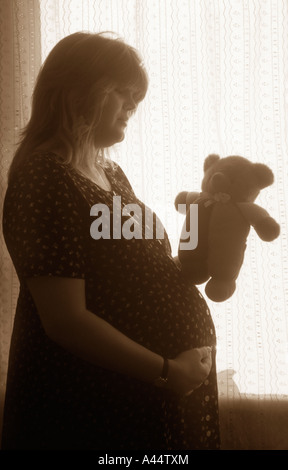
column 254, row 422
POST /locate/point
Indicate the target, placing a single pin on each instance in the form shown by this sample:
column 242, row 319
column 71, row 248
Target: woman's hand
column 189, row 370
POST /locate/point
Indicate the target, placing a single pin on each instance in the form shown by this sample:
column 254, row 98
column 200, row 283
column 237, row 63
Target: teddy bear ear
column 264, row 175
column 219, row 182
column 210, row 160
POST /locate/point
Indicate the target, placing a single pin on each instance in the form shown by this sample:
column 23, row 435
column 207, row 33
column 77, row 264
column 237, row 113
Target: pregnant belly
column 160, row 318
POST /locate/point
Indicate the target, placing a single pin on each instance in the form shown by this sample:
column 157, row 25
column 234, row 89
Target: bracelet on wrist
column 162, row 380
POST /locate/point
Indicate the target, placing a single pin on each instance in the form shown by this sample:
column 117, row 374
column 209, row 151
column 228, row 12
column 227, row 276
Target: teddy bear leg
column 218, row 291
column 197, row 273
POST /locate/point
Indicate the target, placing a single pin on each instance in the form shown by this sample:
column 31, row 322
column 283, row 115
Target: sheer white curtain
column 218, row 83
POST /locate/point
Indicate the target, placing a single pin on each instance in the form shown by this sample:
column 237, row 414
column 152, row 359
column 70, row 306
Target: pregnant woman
column 111, row 349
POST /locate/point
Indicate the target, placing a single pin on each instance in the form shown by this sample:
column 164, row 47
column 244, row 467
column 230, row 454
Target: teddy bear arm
column 192, row 196
column 252, row 212
column 183, row 200
column 265, row 226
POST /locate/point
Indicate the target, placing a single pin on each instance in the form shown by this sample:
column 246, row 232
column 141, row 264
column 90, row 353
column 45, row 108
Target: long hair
column 70, row 93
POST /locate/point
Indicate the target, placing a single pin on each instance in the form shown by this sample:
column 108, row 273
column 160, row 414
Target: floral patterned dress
column 55, row 400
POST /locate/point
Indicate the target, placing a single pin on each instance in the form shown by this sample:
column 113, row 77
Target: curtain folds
column 218, row 84
column 20, row 58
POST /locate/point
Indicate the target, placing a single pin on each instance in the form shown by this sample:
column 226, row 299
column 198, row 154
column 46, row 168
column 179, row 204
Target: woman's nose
column 130, row 103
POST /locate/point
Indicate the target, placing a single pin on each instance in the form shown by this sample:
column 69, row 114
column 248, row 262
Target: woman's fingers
column 205, row 352
column 190, row 368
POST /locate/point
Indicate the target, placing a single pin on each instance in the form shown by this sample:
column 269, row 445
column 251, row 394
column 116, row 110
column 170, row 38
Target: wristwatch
column 163, row 379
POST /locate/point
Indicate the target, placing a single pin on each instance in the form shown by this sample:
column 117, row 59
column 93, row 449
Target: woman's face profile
column 117, row 110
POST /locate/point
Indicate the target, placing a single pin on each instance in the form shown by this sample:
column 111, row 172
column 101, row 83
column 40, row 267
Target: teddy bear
column 225, row 213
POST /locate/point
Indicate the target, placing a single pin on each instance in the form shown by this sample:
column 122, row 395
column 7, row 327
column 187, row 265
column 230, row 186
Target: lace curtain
column 218, row 83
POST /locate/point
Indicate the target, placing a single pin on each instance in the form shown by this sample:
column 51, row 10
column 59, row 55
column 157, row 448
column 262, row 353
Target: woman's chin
column 110, row 140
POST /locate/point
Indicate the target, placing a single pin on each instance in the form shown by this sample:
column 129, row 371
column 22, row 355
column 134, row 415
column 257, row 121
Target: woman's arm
column 62, row 308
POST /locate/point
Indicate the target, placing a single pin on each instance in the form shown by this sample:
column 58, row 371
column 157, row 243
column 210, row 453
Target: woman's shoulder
column 38, row 168
column 45, row 163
